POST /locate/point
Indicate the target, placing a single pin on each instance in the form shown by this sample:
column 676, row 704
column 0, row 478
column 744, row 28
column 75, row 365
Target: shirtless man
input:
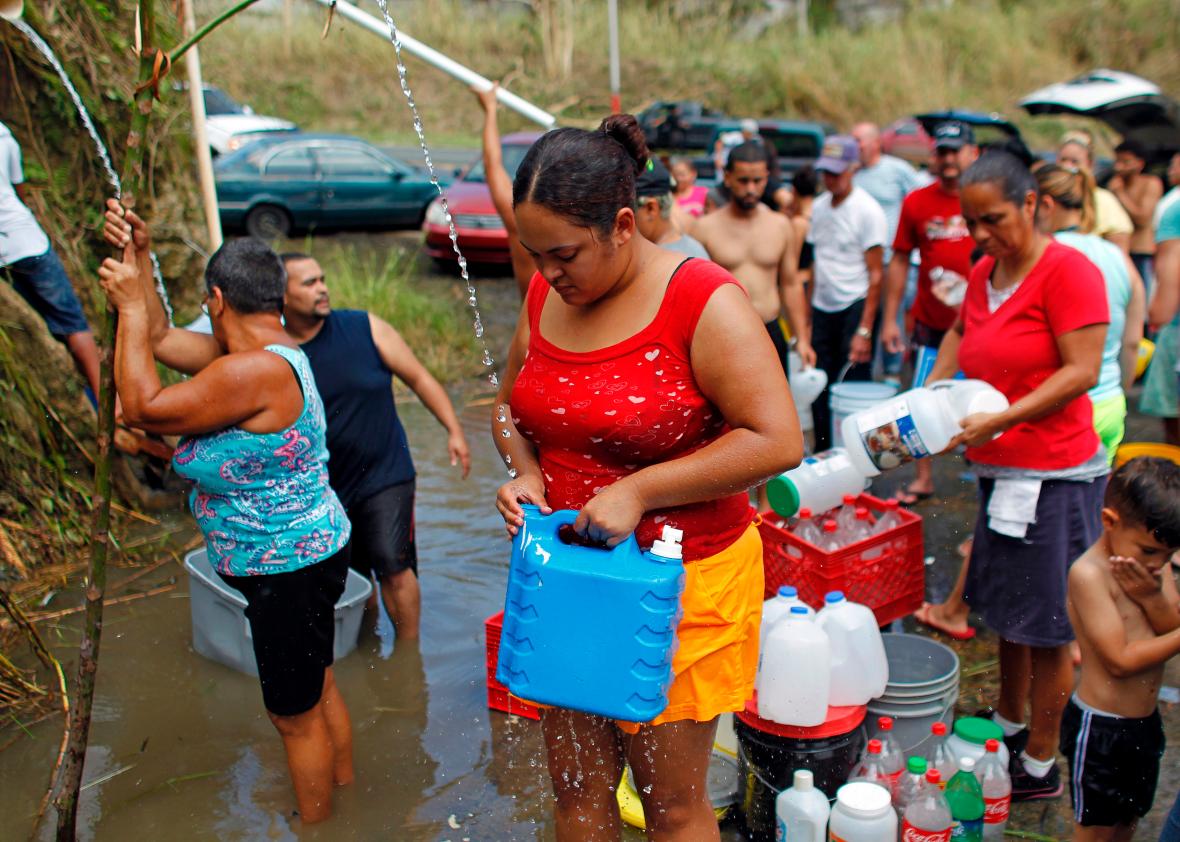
column 1138, row 193
column 759, row 248
column 1125, row 611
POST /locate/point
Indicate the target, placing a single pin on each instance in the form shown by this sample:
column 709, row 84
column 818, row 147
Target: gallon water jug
column 806, row 386
column 859, row 667
column 587, row 628
column 915, row 424
column 793, row 685
column 819, row 483
column 779, row 606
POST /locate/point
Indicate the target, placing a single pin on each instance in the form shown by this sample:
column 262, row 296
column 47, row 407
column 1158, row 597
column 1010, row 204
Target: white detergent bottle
column 802, row 811
column 794, row 682
column 859, row 667
column 915, row 424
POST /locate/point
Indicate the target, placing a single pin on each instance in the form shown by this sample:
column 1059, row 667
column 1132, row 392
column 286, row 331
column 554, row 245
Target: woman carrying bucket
column 1032, row 325
column 642, row 389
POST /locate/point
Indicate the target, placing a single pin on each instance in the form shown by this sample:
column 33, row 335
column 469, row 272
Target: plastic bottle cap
column 849, row 499
column 805, row 513
column 830, row 526
column 932, row 776
column 992, row 746
column 788, row 591
column 799, row 609
column 975, row 730
column 966, row 764
column 916, row 765
column 892, row 504
column 938, row 729
column 885, row 723
column 863, row 798
column 834, row 596
column 783, row 496
column 804, row 780
column 668, row 544
column 874, row 746
column 862, row 514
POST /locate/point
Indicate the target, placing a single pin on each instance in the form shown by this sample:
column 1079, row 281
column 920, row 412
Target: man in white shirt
column 848, row 235
column 30, row 264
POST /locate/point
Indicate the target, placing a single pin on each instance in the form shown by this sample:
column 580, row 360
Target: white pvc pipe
column 447, row 65
column 196, row 93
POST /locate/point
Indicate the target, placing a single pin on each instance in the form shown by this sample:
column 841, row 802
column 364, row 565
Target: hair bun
column 625, row 129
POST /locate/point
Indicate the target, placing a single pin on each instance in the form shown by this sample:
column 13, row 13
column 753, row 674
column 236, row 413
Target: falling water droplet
column 505, row 434
column 487, row 357
column 512, row 473
column 507, row 460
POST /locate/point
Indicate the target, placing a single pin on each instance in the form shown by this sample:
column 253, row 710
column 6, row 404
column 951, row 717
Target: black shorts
column 782, row 345
column 383, row 532
column 1114, row 763
column 293, row 623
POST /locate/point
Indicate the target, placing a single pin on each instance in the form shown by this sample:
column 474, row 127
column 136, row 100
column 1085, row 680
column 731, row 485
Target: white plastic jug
column 819, row 483
column 863, row 813
column 794, row 682
column 859, row 667
column 806, row 386
column 779, row 606
column 915, row 424
column 802, row 811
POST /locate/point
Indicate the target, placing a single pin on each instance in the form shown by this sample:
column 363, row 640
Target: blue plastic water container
column 587, row 628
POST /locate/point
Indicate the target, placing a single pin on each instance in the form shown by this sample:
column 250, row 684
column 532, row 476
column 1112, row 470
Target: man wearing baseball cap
column 931, row 221
column 654, row 200
column 847, row 238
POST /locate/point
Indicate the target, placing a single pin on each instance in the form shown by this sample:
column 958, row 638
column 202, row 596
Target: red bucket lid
column 840, row 720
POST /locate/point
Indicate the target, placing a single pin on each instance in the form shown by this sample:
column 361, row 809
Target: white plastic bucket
column 845, row 398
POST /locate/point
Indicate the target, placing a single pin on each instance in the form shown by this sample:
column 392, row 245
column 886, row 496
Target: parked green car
column 279, row 185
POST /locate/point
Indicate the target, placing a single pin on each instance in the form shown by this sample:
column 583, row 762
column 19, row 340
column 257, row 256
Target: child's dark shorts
column 1114, row 763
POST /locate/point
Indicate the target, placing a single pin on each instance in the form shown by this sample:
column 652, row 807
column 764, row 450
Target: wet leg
column 951, row 614
column 309, row 759
column 1015, row 678
column 339, row 730
column 671, row 764
column 403, row 602
column 585, row 756
column 1051, row 682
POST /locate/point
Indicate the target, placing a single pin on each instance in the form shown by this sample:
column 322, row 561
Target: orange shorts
column 717, row 654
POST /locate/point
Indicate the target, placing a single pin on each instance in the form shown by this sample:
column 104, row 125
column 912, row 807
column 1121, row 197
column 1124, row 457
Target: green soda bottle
column 965, row 797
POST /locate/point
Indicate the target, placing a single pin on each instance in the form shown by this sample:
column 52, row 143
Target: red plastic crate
column 885, row 572
column 498, row 696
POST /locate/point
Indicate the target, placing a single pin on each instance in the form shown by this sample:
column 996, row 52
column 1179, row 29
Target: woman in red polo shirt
column 641, row 389
column 1033, row 325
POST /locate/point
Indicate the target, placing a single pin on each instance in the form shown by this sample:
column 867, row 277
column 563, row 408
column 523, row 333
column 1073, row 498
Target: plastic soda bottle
column 909, row 785
column 830, row 540
column 846, row 514
column 965, row 797
column 892, row 758
column 871, row 768
column 928, row 817
column 806, row 528
column 997, row 791
column 889, row 518
column 938, row 755
column 860, row 528
column 802, row 811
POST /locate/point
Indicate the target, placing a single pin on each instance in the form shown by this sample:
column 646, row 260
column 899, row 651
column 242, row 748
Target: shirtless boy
column 759, row 248
column 1125, row 611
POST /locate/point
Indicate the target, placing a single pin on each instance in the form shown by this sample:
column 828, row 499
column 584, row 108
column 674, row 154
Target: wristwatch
column 864, row 333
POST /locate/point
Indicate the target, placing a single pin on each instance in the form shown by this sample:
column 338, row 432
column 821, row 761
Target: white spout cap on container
column 668, row 544
column 967, row 764
column 804, row 780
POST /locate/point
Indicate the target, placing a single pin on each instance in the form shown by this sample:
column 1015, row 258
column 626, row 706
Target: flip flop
column 916, row 497
column 951, row 633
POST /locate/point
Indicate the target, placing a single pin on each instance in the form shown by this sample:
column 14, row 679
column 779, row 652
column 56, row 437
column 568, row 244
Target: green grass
column 428, row 312
column 979, row 54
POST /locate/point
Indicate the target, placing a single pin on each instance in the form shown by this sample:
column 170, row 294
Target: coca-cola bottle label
column 995, row 810
column 909, row 833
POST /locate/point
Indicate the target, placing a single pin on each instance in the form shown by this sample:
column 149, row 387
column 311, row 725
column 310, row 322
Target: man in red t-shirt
column 931, row 221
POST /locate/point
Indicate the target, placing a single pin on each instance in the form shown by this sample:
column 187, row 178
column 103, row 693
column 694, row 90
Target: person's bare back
column 1107, row 622
column 752, row 246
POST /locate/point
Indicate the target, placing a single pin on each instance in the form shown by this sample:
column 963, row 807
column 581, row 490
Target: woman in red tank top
column 642, row 391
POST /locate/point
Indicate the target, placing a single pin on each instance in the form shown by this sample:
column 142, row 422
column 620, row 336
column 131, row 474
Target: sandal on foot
column 954, row 634
column 906, row 497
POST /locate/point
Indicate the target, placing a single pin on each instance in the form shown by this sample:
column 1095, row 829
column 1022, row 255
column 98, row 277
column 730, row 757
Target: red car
column 906, row 139
column 482, row 237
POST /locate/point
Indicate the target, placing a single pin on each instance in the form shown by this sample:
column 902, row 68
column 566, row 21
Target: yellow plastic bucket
column 1130, row 450
column 1146, row 350
column 722, row 777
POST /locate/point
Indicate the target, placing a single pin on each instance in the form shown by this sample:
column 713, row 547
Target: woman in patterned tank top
column 254, row 448
column 643, row 390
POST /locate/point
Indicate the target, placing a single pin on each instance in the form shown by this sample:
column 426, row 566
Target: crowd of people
column 641, row 387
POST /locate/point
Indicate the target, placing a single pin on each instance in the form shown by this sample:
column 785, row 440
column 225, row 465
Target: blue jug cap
column 788, row 591
column 834, row 596
column 798, row 609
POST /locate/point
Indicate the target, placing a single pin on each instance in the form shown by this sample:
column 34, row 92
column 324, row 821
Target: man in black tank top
column 354, row 356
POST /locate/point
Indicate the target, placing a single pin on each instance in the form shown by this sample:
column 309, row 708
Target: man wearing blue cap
column 847, row 237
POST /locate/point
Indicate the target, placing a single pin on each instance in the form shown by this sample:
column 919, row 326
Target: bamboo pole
column 69, row 780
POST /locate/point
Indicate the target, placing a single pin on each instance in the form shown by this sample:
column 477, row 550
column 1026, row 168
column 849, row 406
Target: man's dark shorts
column 383, row 532
column 293, row 623
column 42, row 281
